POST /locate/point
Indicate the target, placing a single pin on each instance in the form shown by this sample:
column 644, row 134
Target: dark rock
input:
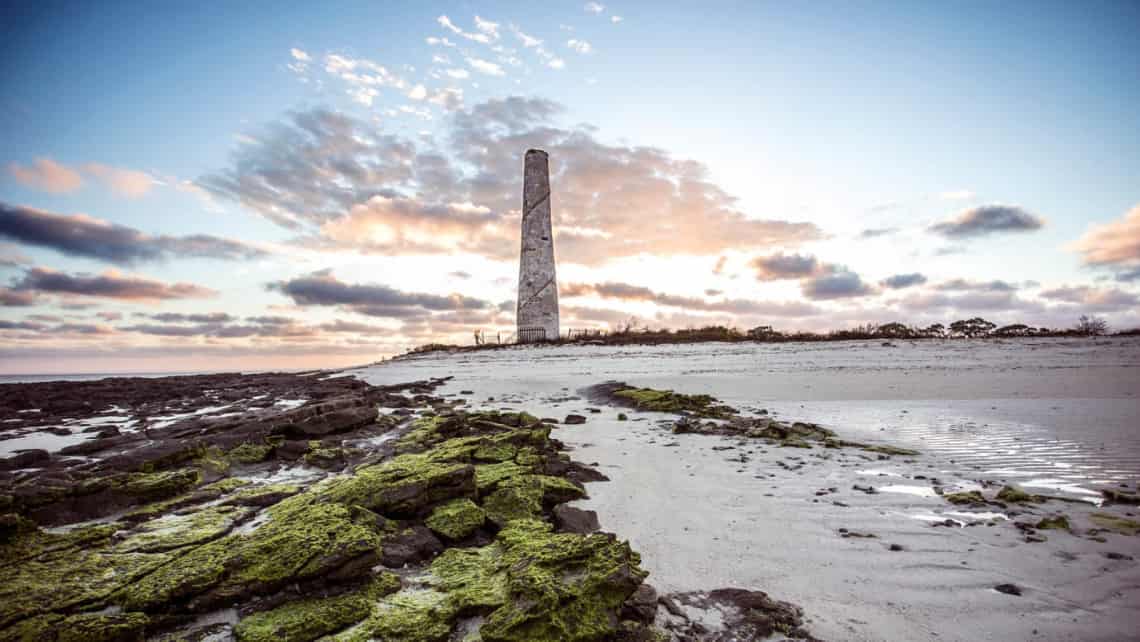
column 1117, row 556
column 410, row 546
column 573, row 420
column 641, row 606
column 569, row 519
column 895, row 547
column 26, row 459
column 1008, row 589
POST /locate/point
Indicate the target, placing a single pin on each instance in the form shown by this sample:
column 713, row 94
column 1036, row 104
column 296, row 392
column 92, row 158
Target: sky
column 250, row 186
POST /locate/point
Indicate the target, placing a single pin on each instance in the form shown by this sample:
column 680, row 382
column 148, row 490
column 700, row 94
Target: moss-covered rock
column 45, row 573
column 456, row 519
column 207, row 493
column 965, row 498
column 312, row 618
column 1054, row 522
column 1115, row 523
column 180, row 530
column 1015, row 495
column 674, row 402
column 83, row 627
column 405, row 485
column 161, row 485
column 249, row 453
column 94, row 627
column 263, row 495
column 531, row 584
column 301, row 540
column 524, row 496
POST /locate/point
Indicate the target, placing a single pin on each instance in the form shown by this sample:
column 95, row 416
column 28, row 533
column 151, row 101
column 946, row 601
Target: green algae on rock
column 311, row 618
column 176, row 531
column 249, row 453
column 672, row 402
column 1015, row 495
column 1054, row 522
column 1116, row 524
column 530, row 584
column 965, row 497
column 456, row 519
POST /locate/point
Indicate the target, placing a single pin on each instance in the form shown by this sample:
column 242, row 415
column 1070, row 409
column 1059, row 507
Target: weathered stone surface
column 538, row 286
column 568, row 519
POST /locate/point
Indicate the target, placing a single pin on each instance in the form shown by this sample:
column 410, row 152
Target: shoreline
column 708, row 512
column 193, row 526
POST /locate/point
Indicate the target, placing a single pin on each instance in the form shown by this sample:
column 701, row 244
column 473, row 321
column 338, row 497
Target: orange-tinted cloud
column 1114, row 244
column 345, row 184
column 47, row 175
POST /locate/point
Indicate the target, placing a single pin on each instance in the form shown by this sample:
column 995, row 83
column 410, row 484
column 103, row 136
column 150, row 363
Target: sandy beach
column 965, row 490
column 1052, row 416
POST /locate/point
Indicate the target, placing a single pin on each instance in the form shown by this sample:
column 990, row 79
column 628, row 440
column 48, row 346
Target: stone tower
column 538, row 288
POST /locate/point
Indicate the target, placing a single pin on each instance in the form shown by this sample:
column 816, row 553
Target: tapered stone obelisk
column 538, row 288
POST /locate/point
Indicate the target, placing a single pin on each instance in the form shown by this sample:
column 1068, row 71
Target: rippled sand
column 1056, row 416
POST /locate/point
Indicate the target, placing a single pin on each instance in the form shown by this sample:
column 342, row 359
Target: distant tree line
column 633, row 332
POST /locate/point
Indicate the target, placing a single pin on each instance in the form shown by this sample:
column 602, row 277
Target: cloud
column 10, row 298
column 89, row 237
column 556, row 63
column 459, row 74
column 839, row 284
column 299, row 54
column 526, row 40
column 876, row 232
column 486, row 32
column 486, row 67
column 988, row 219
column 976, row 286
column 628, row 292
column 971, row 302
column 47, row 175
column 325, row 173
column 177, row 317
column 1104, row 298
column 594, row 7
column 324, row 289
column 580, row 46
column 128, row 183
column 616, row 19
column 10, row 255
column 111, row 285
column 899, row 281
column 1115, row 245
column 777, row 267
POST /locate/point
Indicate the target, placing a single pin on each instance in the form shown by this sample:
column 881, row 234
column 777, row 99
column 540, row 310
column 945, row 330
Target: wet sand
column 1059, row 413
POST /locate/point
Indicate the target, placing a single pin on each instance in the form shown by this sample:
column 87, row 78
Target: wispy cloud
column 324, row 289
column 594, row 7
column 580, row 46
column 485, row 32
column 486, row 67
column 47, row 175
column 86, row 236
column 111, row 285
